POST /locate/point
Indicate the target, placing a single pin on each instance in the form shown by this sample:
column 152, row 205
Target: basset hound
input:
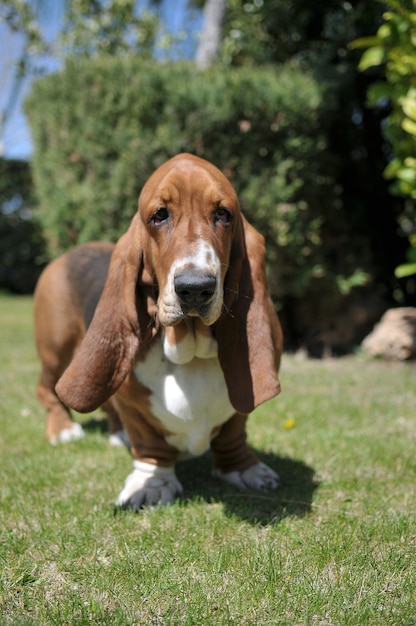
column 171, row 330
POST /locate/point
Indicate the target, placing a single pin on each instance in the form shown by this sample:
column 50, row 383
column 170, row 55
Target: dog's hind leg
column 58, row 330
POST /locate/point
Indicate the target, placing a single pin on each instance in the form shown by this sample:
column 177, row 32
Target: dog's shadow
column 96, row 424
column 293, row 497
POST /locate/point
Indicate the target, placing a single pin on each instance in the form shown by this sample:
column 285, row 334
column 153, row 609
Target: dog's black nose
column 194, row 288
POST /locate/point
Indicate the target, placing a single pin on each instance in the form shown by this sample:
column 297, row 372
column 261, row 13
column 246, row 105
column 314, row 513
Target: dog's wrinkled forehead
column 187, row 178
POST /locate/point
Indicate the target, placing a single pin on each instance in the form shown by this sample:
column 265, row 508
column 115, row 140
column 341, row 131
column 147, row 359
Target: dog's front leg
column 235, row 463
column 153, row 479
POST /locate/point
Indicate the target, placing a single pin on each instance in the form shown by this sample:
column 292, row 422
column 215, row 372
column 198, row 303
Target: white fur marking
column 66, row 435
column 206, row 347
column 149, row 484
column 193, row 344
column 190, row 400
column 181, row 352
column 204, row 259
column 119, row 438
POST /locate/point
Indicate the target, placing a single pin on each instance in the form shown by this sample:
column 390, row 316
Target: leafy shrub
column 394, row 49
column 101, row 127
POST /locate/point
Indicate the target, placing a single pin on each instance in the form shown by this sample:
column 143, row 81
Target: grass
column 336, row 544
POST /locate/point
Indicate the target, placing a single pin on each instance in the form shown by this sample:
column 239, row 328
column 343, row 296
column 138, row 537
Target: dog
column 172, row 331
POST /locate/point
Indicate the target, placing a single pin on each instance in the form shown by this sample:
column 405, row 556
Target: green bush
column 393, row 48
column 101, row 127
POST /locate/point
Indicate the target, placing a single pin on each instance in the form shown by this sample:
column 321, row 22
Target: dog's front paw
column 72, row 433
column 148, row 485
column 258, row 476
column 119, row 438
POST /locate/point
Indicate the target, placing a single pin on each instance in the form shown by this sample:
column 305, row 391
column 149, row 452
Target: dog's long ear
column 120, row 326
column 248, row 332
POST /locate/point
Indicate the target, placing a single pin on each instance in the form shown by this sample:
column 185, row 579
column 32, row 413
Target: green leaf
column 392, row 168
column 364, row 42
column 407, row 175
column 409, row 107
column 372, row 57
column 410, row 162
column 407, row 269
column 409, row 126
column 358, row 279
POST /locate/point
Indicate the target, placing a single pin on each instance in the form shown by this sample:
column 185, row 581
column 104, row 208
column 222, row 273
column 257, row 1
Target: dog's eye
column 160, row 216
column 222, row 215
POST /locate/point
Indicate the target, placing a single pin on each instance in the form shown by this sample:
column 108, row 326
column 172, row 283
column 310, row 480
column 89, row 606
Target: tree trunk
column 210, row 40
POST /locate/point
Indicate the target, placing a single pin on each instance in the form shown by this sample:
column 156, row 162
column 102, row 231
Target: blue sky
column 15, row 140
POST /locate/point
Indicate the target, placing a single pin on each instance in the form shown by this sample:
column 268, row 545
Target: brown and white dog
column 171, row 330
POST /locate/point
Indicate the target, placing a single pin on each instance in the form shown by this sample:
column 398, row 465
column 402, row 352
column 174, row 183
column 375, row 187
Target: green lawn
column 336, row 544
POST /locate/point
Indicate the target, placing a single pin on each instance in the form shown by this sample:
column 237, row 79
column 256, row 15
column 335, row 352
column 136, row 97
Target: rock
column 394, row 337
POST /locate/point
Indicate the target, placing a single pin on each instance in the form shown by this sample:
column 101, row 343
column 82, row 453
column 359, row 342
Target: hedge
column 100, row 127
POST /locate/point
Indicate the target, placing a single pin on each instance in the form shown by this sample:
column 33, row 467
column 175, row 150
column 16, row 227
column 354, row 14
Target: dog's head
column 189, row 260
column 191, row 217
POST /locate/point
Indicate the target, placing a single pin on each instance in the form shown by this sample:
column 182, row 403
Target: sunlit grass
column 336, row 544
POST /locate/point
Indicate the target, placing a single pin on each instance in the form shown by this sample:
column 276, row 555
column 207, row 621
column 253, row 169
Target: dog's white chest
column 190, row 399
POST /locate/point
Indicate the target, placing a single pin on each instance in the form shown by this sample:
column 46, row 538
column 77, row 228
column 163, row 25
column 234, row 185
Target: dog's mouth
column 202, row 312
column 172, row 313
